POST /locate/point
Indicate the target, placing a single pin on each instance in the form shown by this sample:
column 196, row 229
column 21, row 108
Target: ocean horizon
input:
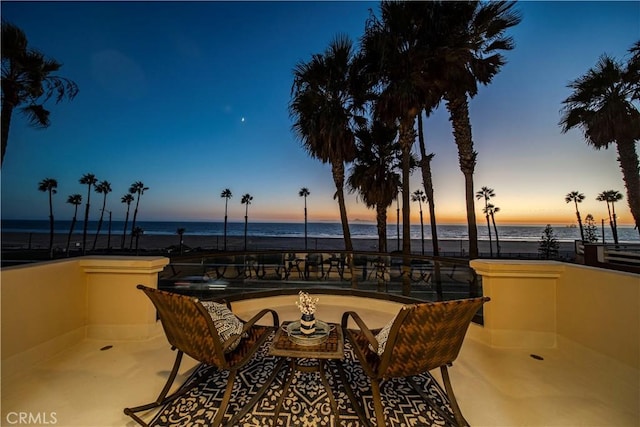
column 359, row 230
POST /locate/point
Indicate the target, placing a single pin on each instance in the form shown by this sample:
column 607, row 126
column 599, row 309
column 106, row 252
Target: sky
column 192, row 98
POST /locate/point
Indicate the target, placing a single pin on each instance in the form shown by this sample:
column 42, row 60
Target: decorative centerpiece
column 307, row 306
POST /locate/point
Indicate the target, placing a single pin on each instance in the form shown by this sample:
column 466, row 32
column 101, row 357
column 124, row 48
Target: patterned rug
column 307, row 403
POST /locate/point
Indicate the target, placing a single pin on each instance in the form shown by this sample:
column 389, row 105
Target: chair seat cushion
column 382, row 337
column 227, row 324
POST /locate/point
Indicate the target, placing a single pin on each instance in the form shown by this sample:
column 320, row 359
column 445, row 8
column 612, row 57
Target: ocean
column 529, row 233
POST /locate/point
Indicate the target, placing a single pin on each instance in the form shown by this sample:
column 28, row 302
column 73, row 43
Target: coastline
column 26, row 241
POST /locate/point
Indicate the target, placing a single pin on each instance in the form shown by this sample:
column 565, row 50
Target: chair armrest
column 365, row 330
column 258, row 316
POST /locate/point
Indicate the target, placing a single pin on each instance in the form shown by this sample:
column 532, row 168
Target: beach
column 154, row 242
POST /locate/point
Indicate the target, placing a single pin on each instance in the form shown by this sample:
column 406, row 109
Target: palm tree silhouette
column 576, row 197
column 323, row 108
column 137, row 232
column 374, row 173
column 137, row 188
column 602, row 105
column 304, row 192
column 103, row 188
column 487, row 193
column 75, row 200
column 90, row 180
column 418, row 196
column 246, row 200
column 49, row 185
column 491, row 210
column 27, row 81
column 126, row 199
column 226, row 194
column 427, row 183
column 611, row 196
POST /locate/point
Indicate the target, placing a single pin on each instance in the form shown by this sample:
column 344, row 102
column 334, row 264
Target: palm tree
column 611, row 196
column 90, row 180
column 487, row 193
column 427, row 183
column 473, row 35
column 126, row 199
column 374, row 175
column 418, row 196
column 137, row 188
column 75, row 200
column 226, row 194
column 104, row 188
column 492, row 210
column 180, row 232
column 49, row 185
column 137, row 232
column 304, row 192
column 604, row 106
column 28, row 82
column 398, row 198
column 246, row 200
column 576, row 197
column 323, row 107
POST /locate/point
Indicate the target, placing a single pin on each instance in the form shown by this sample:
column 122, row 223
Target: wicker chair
column 190, row 330
column 422, row 337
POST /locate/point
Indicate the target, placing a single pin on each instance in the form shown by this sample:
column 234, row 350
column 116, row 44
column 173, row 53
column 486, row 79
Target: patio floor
column 90, row 384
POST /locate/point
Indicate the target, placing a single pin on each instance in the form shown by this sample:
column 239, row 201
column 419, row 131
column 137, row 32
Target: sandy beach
column 22, row 241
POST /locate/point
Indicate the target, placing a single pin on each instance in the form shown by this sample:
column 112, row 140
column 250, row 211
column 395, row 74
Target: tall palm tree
column 180, row 232
column 104, row 188
column 49, row 185
column 89, row 180
column 28, row 82
column 492, row 210
column 611, row 196
column 576, row 197
column 604, row 106
column 473, row 35
column 487, row 193
column 226, row 194
column 75, row 200
column 418, row 196
column 137, row 232
column 374, row 173
column 138, row 189
column 323, row 108
column 394, row 53
column 427, row 183
column 246, row 200
column 126, row 199
column 304, row 192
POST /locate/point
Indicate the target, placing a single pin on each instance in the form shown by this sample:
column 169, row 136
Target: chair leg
column 162, row 397
column 452, row 398
column 217, row 420
column 447, row 417
column 377, row 402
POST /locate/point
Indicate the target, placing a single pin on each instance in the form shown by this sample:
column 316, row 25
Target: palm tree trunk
column 7, row 111
column 246, row 222
column 337, row 170
column 86, row 223
column 133, row 223
column 489, row 230
column 51, row 223
column 459, row 115
column 629, row 164
column 305, row 223
column 73, row 224
column 225, row 224
column 95, row 240
column 406, row 138
column 493, row 219
column 381, row 223
column 579, row 220
column 124, row 232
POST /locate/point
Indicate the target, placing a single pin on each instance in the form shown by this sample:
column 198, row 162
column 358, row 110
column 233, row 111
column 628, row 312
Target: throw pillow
column 382, row 337
column 226, row 323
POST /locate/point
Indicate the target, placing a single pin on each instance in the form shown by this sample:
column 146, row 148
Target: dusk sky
column 192, row 98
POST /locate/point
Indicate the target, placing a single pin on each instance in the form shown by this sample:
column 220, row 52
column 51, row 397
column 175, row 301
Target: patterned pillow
column 382, row 337
column 226, row 323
